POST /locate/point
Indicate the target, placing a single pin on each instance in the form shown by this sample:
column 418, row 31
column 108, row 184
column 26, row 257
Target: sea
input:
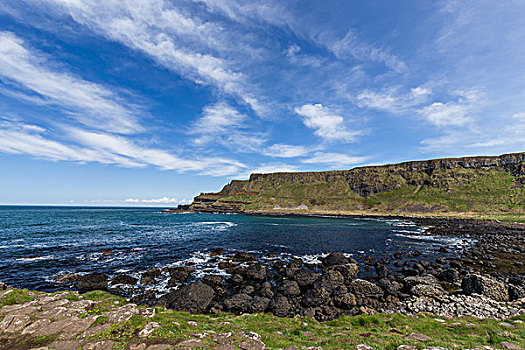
column 38, row 244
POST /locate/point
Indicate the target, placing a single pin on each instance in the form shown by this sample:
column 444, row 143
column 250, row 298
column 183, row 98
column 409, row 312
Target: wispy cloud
column 91, row 104
column 452, row 113
column 285, row 151
column 334, row 159
column 327, row 124
column 161, row 200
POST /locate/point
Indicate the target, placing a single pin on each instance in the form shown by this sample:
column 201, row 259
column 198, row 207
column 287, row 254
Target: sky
column 150, row 102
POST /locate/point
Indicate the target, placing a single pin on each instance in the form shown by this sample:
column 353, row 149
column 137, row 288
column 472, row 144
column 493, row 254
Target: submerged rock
column 92, row 281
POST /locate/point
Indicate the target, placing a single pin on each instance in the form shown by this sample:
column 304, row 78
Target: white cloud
column 391, row 100
column 217, row 120
column 157, row 28
column 452, row 113
column 91, row 104
column 285, row 151
column 17, row 138
column 335, row 159
column 352, row 45
column 327, row 124
column 161, row 200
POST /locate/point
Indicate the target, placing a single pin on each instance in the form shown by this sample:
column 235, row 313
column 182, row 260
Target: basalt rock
column 124, row 279
column 485, row 286
column 256, row 272
column 280, row 305
column 92, row 281
column 335, row 258
column 179, row 275
column 426, row 285
column 195, row 297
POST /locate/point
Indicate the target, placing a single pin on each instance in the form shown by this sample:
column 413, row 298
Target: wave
column 35, row 258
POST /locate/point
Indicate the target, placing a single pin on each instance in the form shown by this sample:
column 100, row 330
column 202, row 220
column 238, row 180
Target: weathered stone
column 179, row 275
column 365, row 288
column 150, row 276
column 195, row 297
column 305, row 278
column 148, row 329
column 124, row 279
column 239, row 302
column 349, row 271
column 280, row 305
column 192, row 343
column 36, row 326
column 290, row 289
column 426, row 285
column 99, row 345
column 252, row 344
column 256, row 272
column 14, row 323
column 243, row 257
column 68, row 278
column 65, row 344
column 92, row 281
column 510, row 346
column 419, row 337
column 123, row 313
column 335, row 258
column 485, row 286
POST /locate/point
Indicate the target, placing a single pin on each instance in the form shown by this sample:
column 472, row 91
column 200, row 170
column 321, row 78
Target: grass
column 381, row 331
column 17, row 296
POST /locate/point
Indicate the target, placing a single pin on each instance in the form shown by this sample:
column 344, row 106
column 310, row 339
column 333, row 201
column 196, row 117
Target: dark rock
column 124, row 279
column 280, row 305
column 68, row 278
column 335, row 259
column 485, row 286
column 331, row 280
column 290, row 289
column 426, row 285
column 107, row 252
column 316, row 297
column 92, row 281
column 349, row 271
column 256, row 272
column 244, row 257
column 236, row 280
column 217, row 252
column 259, row 304
column 213, row 280
column 179, row 275
column 305, row 278
column 195, row 297
column 239, row 303
column 149, row 277
column 449, row 275
column 391, row 287
column 266, row 290
column 516, row 292
column 365, row 288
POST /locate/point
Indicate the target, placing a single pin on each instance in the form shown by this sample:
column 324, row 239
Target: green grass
column 17, row 296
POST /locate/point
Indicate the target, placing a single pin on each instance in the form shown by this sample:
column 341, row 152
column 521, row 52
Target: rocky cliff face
column 502, row 175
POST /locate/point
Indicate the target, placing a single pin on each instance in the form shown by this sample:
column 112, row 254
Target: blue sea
column 37, row 244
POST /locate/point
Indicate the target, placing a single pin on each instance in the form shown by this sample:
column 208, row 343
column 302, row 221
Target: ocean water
column 37, row 244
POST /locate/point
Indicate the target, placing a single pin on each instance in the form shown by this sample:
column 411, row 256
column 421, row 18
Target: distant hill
column 482, row 185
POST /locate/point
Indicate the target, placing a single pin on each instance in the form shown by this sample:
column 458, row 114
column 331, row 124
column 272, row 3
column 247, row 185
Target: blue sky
column 121, row 102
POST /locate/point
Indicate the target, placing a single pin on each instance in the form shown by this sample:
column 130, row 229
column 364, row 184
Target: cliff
column 490, row 184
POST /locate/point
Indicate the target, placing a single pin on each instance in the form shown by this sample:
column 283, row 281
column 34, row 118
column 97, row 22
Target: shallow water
column 37, row 244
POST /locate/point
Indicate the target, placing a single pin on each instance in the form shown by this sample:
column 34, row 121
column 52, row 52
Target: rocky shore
column 486, row 281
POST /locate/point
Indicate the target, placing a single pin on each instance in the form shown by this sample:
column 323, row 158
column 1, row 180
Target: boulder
column 290, row 289
column 516, row 292
column 256, row 272
column 239, row 303
column 366, row 289
column 149, row 277
column 244, row 257
column 450, row 275
column 195, row 297
column 259, row 304
column 68, row 278
column 349, row 271
column 92, row 281
column 316, row 297
column 485, row 286
column 213, row 280
column 331, row 280
column 426, row 285
column 124, row 279
column 179, row 275
column 280, row 305
column 335, row 259
column 305, row 278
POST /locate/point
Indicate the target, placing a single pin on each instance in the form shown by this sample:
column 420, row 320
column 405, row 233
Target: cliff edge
column 484, row 185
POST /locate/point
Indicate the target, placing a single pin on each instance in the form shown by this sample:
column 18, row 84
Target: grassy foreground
column 179, row 329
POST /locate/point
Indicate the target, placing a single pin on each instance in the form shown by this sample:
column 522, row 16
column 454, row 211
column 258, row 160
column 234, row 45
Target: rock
column 99, row 345
column 485, row 286
column 195, row 297
column 407, row 347
column 149, row 277
column 330, row 280
column 213, row 280
column 14, row 323
column 123, row 313
column 107, row 252
column 239, row 303
column 349, row 271
column 280, row 305
column 252, row 344
column 364, row 288
column 92, row 281
column 345, row 300
column 179, row 275
column 363, row 347
column 217, row 252
column 124, row 279
column 419, row 337
column 243, row 257
column 256, row 272
column 426, row 285
column 510, row 346
column 290, row 289
column 68, row 278
column 516, row 292
column 148, row 329
column 316, row 297
column 335, row 259
column 449, row 275
column 305, row 278
column 192, row 343
column 259, row 304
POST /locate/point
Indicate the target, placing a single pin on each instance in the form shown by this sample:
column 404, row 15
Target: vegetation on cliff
column 491, row 186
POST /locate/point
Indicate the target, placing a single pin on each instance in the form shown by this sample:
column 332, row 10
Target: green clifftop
column 477, row 185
